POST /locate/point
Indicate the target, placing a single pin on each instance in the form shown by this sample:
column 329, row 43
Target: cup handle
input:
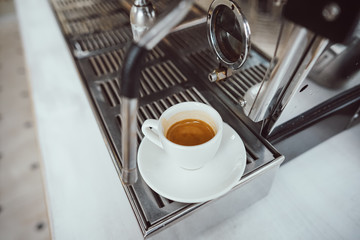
column 151, row 131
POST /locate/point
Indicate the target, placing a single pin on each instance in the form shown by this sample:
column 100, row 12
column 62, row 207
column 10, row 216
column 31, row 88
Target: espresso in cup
column 190, row 133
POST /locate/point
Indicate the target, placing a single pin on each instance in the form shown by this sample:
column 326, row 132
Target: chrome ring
column 228, row 33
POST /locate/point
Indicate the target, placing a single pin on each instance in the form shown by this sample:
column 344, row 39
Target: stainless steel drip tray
column 98, row 33
column 165, row 82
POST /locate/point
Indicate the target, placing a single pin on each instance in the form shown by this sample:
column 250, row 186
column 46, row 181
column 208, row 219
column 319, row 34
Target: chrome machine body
column 313, row 58
column 265, row 73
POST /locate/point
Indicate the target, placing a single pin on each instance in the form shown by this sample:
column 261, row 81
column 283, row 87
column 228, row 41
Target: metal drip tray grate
column 110, row 62
column 98, row 33
column 104, row 39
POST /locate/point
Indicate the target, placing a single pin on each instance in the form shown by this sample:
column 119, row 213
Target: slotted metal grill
column 99, row 23
column 160, row 77
column 110, row 91
column 188, row 39
column 156, row 78
column 204, row 59
column 62, row 5
column 86, row 17
column 237, row 85
column 98, row 34
column 110, row 62
column 104, row 39
column 88, row 10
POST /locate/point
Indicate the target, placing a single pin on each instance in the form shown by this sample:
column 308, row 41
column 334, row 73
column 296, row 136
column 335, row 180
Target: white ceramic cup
column 187, row 157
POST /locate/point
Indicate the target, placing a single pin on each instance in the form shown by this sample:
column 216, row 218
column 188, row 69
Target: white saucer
column 213, row 180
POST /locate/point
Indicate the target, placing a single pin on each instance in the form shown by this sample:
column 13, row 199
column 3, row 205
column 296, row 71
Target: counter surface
column 315, row 196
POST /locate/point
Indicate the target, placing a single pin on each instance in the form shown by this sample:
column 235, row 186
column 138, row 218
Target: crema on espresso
column 190, row 132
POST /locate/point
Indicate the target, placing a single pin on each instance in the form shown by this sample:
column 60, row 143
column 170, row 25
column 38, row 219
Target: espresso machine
column 283, row 74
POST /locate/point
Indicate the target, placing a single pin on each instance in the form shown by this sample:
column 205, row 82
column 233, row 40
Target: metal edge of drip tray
column 180, row 62
column 200, row 217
